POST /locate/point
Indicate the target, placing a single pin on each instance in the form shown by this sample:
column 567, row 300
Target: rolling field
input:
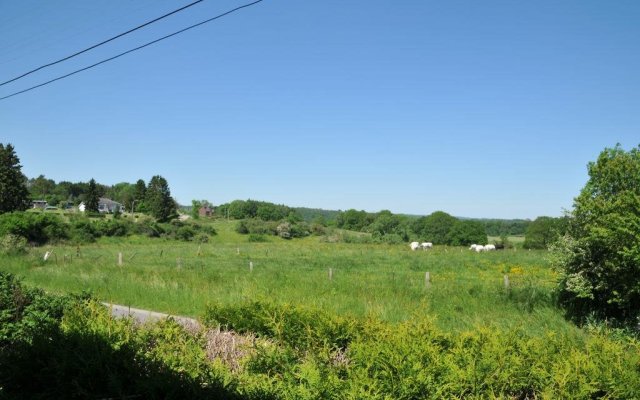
column 379, row 280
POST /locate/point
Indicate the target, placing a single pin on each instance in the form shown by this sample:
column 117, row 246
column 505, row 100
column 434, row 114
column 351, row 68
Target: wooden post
column 506, row 282
column 120, row 259
column 250, row 266
column 427, row 280
column 161, row 251
column 179, row 263
column 330, row 274
column 238, row 250
column 199, row 250
column 47, row 255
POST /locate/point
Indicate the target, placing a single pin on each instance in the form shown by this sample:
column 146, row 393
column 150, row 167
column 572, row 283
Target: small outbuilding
column 205, row 211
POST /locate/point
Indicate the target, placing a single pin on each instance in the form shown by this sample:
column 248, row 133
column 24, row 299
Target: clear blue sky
column 480, row 109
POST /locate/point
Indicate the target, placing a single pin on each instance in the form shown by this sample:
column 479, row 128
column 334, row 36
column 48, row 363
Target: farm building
column 38, row 204
column 205, row 211
column 105, row 206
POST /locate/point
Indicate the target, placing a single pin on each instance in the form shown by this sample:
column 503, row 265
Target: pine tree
column 92, row 197
column 158, row 200
column 14, row 195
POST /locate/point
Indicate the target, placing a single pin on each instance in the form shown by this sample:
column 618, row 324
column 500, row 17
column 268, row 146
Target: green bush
column 11, row 244
column 185, row 233
column 37, row 228
column 599, row 259
column 256, row 238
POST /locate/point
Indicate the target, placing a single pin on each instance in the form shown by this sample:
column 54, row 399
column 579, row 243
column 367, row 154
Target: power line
column 101, row 43
column 132, row 50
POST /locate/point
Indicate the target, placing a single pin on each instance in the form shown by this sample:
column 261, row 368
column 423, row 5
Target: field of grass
column 379, row 280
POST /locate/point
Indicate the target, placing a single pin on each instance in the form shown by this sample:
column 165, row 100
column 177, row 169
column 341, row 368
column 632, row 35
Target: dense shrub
column 299, row 327
column 257, row 226
column 11, row 244
column 255, row 238
column 37, row 228
column 70, row 347
column 543, row 232
column 599, row 258
column 185, row 233
column 312, row 355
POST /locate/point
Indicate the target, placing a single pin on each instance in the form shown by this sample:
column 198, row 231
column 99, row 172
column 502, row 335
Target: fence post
column 250, row 266
column 506, row 282
column 330, row 274
column 427, row 280
column 238, row 250
column 120, row 259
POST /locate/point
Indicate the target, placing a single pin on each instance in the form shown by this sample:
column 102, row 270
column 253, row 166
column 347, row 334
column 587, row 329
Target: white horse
column 414, row 246
column 426, row 245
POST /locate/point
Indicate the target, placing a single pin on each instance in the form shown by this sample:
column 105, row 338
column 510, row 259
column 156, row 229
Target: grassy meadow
column 378, row 280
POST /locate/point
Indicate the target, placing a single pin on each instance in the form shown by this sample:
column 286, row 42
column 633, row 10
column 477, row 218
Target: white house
column 104, row 206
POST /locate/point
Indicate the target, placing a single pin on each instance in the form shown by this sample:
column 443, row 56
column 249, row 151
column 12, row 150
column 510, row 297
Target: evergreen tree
column 92, row 197
column 14, row 195
column 158, row 200
column 139, row 195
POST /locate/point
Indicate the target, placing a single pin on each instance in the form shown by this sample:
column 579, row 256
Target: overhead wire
column 132, row 50
column 101, row 43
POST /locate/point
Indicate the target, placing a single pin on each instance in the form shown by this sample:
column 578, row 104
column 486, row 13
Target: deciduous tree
column 599, row 258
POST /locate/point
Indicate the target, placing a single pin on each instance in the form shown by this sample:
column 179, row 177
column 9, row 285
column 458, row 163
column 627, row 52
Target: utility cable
column 101, row 43
column 132, row 50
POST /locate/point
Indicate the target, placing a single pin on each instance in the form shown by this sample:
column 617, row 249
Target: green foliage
column 599, row 259
column 434, row 227
column 309, row 354
column 14, row 195
column 544, row 231
column 466, row 232
column 70, row 347
column 195, row 209
column 256, row 238
column 252, row 209
column 354, row 220
column 92, row 198
column 506, row 227
column 298, row 327
column 11, row 244
column 185, row 233
column 158, row 200
column 34, row 227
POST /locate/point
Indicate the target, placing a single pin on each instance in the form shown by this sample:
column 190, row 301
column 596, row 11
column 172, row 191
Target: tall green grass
column 385, row 281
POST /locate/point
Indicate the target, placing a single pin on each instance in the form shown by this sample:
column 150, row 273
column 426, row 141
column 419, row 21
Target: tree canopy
column 599, row 258
column 92, row 197
column 14, row 195
column 544, row 231
column 158, row 199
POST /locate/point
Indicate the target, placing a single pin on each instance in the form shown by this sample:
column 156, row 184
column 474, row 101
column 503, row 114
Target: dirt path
column 143, row 316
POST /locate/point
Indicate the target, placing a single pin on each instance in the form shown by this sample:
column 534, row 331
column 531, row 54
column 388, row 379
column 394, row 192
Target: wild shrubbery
column 283, row 229
column 70, row 347
column 39, row 228
column 598, row 259
column 311, row 354
column 35, row 228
